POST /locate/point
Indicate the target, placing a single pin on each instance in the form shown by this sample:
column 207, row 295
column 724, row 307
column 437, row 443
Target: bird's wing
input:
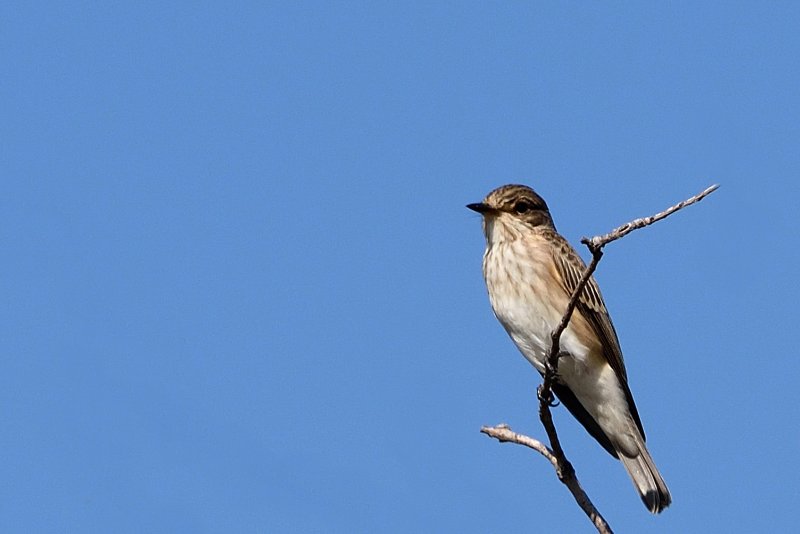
column 568, row 399
column 591, row 306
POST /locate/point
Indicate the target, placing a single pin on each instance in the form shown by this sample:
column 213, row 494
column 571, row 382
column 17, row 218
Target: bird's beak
column 480, row 207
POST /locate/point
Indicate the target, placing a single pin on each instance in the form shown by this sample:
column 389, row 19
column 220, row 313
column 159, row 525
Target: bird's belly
column 529, row 303
column 583, row 370
column 530, row 323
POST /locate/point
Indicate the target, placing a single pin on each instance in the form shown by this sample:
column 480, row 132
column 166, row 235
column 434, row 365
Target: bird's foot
column 546, row 397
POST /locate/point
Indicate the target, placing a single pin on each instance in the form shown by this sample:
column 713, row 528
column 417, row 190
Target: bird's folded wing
column 591, row 306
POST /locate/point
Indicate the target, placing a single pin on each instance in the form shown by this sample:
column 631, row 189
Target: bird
column 530, row 272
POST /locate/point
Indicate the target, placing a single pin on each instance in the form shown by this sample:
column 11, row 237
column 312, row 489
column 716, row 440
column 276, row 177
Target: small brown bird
column 531, row 272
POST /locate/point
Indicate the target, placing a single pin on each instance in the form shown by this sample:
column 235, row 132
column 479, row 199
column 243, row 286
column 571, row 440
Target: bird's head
column 514, row 208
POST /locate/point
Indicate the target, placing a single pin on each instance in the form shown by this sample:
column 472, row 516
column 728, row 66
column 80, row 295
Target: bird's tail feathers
column 646, row 478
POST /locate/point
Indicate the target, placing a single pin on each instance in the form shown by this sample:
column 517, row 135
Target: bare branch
column 601, row 241
column 504, row 434
column 595, row 246
column 555, row 454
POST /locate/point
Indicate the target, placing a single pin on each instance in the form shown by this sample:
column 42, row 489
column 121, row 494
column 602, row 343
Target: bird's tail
column 646, row 478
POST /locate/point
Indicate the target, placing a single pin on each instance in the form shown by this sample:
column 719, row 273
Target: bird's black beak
column 480, row 207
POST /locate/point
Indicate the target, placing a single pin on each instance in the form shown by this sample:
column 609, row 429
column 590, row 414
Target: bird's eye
column 522, row 207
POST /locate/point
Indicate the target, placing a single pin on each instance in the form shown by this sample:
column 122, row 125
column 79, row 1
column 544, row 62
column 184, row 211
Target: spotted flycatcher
column 531, row 272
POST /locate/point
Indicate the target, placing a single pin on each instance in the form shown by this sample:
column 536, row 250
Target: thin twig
column 504, row 434
column 555, row 454
column 595, row 246
column 625, row 229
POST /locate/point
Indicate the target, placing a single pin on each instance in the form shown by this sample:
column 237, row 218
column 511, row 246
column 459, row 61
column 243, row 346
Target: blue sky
column 242, row 293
